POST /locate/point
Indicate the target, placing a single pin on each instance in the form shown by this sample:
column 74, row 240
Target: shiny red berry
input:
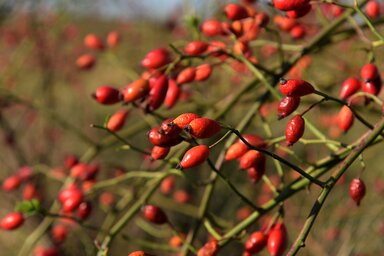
column 294, row 130
column 203, row 72
column 163, row 140
column 357, row 190
column 156, row 58
column 252, row 158
column 84, row 210
column 12, row 221
column 295, row 87
column 349, row 87
column 287, row 106
column 158, row 91
column 202, row 128
column 256, row 242
column 195, row 47
column 159, row 152
column 369, row 72
column 135, row 90
column 187, row 75
column 183, row 120
column 235, row 151
column 277, row 240
column 373, row 9
column 194, row 156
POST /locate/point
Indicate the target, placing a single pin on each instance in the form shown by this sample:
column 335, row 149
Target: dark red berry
column 154, row 214
column 252, row 158
column 107, row 95
column 84, row 210
column 235, row 12
column 294, row 130
column 299, row 12
column 287, row 106
column 163, row 140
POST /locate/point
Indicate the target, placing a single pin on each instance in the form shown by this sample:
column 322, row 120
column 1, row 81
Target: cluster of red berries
column 94, row 42
column 276, row 241
column 293, row 89
column 250, row 160
column 371, row 84
column 169, row 134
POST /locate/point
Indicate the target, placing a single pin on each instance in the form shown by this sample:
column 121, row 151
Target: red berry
column 135, row 90
column 299, row 12
column 12, row 221
column 93, row 41
column 107, row 95
column 159, row 152
column 70, row 198
column 295, row 87
column 288, row 5
column 277, row 240
column 113, row 39
column 173, row 94
column 357, row 190
column 168, row 127
column 372, row 86
column 373, row 9
column 11, row 183
column 287, row 106
column 85, row 61
column 294, row 130
column 211, row 27
column 59, row 233
column 84, row 210
column 184, row 119
column 202, row 128
column 349, row 87
column 256, row 242
column 163, row 140
column 117, row 120
column 107, row 199
column 195, row 48
column 235, row 12
column 156, row 58
column 369, row 72
column 209, row 249
column 167, row 185
column 154, row 214
column 195, row 156
column 157, row 92
column 345, row 118
column 252, row 158
column 297, row 32
column 203, row 72
column 236, row 151
column 187, row 75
